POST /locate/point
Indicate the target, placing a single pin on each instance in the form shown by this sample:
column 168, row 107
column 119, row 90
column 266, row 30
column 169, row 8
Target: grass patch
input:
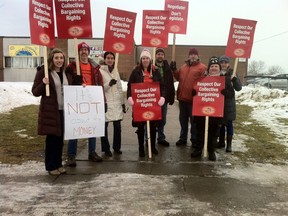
column 262, row 144
column 19, row 139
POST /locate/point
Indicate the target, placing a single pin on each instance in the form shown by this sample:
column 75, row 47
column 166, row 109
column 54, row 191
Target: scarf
column 59, row 88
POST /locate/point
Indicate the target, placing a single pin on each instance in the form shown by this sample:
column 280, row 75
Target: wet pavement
column 171, row 183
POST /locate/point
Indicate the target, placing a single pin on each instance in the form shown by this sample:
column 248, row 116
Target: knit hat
column 214, row 60
column 83, row 45
column 193, row 51
column 145, row 52
column 224, row 58
column 160, row 50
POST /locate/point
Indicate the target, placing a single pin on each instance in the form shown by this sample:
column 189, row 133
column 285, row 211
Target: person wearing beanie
column 188, row 72
column 169, row 89
column 214, row 68
column 229, row 106
column 89, row 75
column 115, row 103
column 145, row 72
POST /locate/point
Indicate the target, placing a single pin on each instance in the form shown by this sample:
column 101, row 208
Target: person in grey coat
column 229, row 106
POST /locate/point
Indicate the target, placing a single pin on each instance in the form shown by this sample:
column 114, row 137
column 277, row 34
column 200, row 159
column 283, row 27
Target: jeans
column 161, row 135
column 116, row 137
column 229, row 127
column 185, row 115
column 72, row 146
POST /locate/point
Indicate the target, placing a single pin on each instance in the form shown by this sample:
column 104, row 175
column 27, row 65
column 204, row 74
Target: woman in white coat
column 115, row 103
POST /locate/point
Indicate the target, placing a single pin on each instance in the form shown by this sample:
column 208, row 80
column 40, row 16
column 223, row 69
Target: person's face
column 83, row 53
column 159, row 57
column 214, row 70
column 109, row 60
column 224, row 65
column 145, row 61
column 193, row 57
column 58, row 61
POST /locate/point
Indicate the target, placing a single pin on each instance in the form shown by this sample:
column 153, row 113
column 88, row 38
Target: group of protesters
column 51, row 117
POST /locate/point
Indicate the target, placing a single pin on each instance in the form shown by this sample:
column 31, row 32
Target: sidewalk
column 169, row 184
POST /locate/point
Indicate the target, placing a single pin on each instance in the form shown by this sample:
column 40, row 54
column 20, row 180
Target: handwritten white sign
column 84, row 112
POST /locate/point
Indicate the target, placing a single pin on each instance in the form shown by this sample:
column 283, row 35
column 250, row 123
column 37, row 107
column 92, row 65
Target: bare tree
column 275, row 69
column 256, row 67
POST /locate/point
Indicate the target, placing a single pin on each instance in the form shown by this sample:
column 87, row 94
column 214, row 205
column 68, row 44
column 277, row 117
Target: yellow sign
column 24, row 50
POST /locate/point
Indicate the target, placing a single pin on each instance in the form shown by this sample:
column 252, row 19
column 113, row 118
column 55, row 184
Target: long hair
column 51, row 65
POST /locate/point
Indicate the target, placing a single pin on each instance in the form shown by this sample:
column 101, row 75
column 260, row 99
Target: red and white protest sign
column 146, row 97
column 41, row 19
column 154, row 28
column 178, row 16
column 73, row 18
column 119, row 31
column 208, row 100
column 241, row 38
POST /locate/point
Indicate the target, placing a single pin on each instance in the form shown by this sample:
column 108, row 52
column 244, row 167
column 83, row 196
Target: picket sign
column 46, row 70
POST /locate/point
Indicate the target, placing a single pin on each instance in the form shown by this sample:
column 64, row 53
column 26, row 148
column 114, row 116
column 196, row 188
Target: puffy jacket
column 49, row 122
column 113, row 94
column 186, row 76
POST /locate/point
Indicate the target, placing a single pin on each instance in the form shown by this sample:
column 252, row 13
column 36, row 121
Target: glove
column 223, row 92
column 123, row 108
column 194, row 92
column 161, row 101
column 173, row 66
column 130, row 101
column 112, row 82
column 106, row 107
column 78, row 80
column 234, row 79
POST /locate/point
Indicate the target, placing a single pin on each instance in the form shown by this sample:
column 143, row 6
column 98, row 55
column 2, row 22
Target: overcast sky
column 209, row 23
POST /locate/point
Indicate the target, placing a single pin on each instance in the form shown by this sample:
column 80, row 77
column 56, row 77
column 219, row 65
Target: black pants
column 140, row 134
column 54, row 148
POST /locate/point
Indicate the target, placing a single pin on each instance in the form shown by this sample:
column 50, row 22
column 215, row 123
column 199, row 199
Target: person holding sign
column 51, row 117
column 90, row 75
column 168, row 83
column 191, row 70
column 214, row 69
column 229, row 106
column 145, row 72
column 115, row 103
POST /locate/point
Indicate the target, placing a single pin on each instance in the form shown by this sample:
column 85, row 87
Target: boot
column 229, row 143
column 221, row 143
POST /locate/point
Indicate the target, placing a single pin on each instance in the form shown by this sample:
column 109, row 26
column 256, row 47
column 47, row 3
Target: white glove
column 130, row 101
column 161, row 101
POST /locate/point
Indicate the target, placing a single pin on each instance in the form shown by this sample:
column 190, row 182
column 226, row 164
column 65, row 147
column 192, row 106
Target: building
column 19, row 58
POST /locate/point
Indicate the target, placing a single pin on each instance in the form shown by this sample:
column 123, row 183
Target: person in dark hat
column 169, row 89
column 188, row 72
column 90, row 75
column 229, row 106
column 214, row 68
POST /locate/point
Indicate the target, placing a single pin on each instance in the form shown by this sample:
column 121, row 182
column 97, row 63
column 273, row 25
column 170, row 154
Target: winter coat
column 113, row 94
column 168, row 83
column 137, row 77
column 49, row 122
column 230, row 102
column 186, row 76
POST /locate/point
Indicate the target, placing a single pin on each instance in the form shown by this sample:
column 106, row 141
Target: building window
column 23, row 62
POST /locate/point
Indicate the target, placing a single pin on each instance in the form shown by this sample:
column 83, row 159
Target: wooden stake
column 173, row 47
column 149, row 139
column 76, row 56
column 204, row 153
column 46, row 69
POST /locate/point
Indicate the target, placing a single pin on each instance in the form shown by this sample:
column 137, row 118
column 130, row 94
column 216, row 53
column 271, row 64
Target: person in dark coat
column 145, row 72
column 168, row 83
column 214, row 69
column 229, row 106
column 51, row 120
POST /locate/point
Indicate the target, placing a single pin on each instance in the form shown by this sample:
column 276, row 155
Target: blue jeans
column 229, row 127
column 161, row 135
column 116, row 137
column 72, row 146
column 185, row 115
